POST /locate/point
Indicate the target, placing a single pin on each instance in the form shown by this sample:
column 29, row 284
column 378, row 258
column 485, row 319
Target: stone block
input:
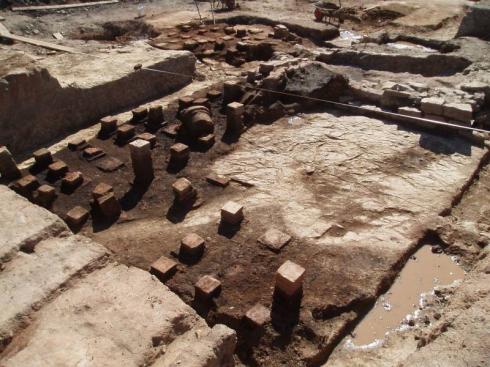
column 57, row 169
column 179, row 152
column 110, row 317
column 29, row 279
column 432, row 106
column 71, row 181
column 77, row 216
column 394, row 98
column 163, row 268
column 214, row 348
column 275, row 239
column 289, row 278
column 192, row 246
column 109, row 206
column 27, row 224
column 101, row 189
column 8, row 167
column 43, row 157
column 462, row 112
column 207, row 287
column 410, row 111
column 258, row 315
column 435, row 118
column 232, row 213
column 218, row 180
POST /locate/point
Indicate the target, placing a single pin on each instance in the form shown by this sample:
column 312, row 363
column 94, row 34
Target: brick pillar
column 234, row 117
column 142, row 162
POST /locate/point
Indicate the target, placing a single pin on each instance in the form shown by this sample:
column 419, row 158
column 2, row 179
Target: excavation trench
column 333, row 300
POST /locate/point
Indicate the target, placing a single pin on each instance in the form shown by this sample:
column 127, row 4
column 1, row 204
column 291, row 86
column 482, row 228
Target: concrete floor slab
column 29, row 279
column 24, row 224
column 116, row 316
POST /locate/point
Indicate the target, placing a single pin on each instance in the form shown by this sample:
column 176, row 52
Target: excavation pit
column 265, row 170
column 214, row 44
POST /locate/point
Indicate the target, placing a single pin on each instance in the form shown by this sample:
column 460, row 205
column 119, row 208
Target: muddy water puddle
column 424, row 271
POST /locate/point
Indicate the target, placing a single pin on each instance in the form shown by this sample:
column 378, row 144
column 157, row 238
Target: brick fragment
column 432, row 106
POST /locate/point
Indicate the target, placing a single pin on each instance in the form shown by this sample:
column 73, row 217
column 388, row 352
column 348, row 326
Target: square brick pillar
column 141, row 160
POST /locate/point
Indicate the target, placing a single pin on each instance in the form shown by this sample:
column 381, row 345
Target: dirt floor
column 365, row 198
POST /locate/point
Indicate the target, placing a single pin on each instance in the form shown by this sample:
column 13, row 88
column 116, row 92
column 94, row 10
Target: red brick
column 289, row 278
column 232, row 213
column 163, row 268
column 101, row 190
column 207, row 287
column 77, row 216
column 258, row 315
column 275, row 239
column 192, row 245
column 58, row 168
column 218, row 180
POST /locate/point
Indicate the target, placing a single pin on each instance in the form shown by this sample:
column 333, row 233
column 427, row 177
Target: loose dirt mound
column 119, row 31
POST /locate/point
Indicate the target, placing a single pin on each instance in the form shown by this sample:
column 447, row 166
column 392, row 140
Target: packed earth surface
column 244, row 183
